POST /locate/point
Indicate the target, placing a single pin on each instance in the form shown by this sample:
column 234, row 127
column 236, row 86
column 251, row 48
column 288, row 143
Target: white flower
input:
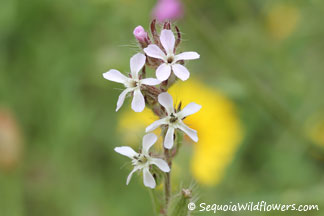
column 174, row 120
column 170, row 59
column 142, row 161
column 132, row 83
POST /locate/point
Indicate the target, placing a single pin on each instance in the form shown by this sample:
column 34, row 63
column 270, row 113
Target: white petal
column 163, row 72
column 148, row 141
column 115, row 76
column 150, row 81
column 155, row 125
column 138, row 102
column 126, row 151
column 190, row 132
column 121, row 98
column 180, row 71
column 130, row 175
column 189, row 110
column 187, row 56
column 136, row 64
column 161, row 164
column 154, row 51
column 168, row 140
column 148, row 178
column 165, row 99
column 167, row 40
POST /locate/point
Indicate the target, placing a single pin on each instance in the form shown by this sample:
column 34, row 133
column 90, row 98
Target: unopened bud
column 179, row 204
column 186, row 193
column 141, row 36
column 140, row 33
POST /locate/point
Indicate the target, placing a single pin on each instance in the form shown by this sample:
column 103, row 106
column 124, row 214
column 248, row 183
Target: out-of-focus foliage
column 264, row 56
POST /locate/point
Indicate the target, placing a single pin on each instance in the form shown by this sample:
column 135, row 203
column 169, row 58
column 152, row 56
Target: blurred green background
column 266, row 56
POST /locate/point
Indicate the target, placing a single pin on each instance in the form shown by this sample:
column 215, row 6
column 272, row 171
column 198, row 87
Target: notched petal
column 154, row 51
column 138, row 102
column 136, row 64
column 181, row 71
column 149, row 181
column 161, row 164
column 163, row 72
column 148, row 141
column 115, row 76
column 167, row 40
column 165, row 99
column 126, row 151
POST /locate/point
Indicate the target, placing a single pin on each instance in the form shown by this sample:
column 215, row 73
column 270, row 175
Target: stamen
column 173, row 118
column 141, row 159
column 133, row 83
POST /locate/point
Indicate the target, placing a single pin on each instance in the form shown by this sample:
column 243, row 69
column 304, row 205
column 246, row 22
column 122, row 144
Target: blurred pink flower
column 168, row 10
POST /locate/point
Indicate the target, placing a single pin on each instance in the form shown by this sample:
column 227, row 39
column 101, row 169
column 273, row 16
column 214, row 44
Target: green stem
column 154, row 202
column 160, row 112
column 167, row 182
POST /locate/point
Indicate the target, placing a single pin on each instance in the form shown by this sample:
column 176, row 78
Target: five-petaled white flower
column 174, row 120
column 132, row 83
column 142, row 161
column 170, row 60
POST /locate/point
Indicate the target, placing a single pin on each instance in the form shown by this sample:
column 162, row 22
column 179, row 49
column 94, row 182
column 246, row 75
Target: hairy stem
column 167, row 182
column 151, row 99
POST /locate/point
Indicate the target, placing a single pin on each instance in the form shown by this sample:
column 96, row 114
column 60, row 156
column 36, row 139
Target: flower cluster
column 158, row 53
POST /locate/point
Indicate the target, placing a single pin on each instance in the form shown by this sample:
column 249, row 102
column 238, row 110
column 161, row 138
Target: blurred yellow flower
column 282, row 20
column 135, row 124
column 218, row 127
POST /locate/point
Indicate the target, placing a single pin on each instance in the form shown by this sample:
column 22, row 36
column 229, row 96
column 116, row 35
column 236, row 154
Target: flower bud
column 141, row 36
column 139, row 33
column 168, row 10
column 179, row 203
column 187, row 193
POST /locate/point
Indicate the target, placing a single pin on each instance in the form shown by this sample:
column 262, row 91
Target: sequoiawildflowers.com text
column 252, row 206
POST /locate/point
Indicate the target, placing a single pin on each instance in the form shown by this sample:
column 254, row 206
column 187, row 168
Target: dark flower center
column 133, row 84
column 170, row 59
column 173, row 118
column 141, row 159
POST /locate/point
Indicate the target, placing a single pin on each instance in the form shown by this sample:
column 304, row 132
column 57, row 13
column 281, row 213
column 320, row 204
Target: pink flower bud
column 168, row 10
column 140, row 34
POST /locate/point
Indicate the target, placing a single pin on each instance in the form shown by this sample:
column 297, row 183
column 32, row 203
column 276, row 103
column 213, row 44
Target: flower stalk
column 159, row 54
column 167, row 182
